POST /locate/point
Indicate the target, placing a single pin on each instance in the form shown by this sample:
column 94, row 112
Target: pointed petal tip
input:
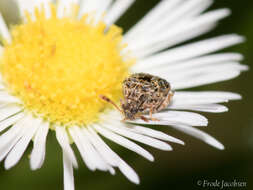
column 8, row 164
column 236, row 38
column 167, row 148
column 239, row 38
column 75, row 165
column 236, row 96
column 203, row 123
column 215, row 143
column 245, row 67
column 224, row 109
column 151, row 158
column 178, row 141
column 73, row 160
column 129, row 172
column 181, row 142
column 34, row 166
column 227, row 11
column 240, row 57
column 220, row 146
column 136, row 181
column 112, row 171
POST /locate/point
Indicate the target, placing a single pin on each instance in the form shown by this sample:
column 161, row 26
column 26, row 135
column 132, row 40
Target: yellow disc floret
column 59, row 67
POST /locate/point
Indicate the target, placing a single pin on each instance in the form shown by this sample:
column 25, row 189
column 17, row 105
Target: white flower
column 26, row 115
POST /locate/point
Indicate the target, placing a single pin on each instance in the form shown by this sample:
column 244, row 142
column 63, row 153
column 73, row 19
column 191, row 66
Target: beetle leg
column 121, row 102
column 103, row 97
column 123, row 120
column 150, row 115
column 144, row 118
column 140, row 116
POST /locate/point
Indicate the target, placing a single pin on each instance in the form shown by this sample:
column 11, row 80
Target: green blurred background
column 183, row 167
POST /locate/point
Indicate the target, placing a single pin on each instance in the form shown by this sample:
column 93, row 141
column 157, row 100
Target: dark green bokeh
column 182, row 168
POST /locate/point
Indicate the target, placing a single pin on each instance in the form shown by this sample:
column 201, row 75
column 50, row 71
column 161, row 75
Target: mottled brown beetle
column 143, row 93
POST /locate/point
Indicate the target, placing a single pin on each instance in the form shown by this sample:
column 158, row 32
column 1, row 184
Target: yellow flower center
column 59, row 67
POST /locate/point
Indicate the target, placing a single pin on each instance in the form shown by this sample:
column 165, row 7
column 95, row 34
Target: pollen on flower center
column 59, row 67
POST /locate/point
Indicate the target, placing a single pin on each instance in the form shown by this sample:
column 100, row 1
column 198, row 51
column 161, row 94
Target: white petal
column 198, row 72
column 11, row 137
column 129, row 172
column 45, row 4
column 39, row 147
column 68, row 173
column 94, row 7
column 18, row 150
column 103, row 148
column 157, row 13
column 88, row 6
column 112, row 171
column 104, row 6
column 65, row 7
column 7, row 98
column 183, row 36
column 171, row 23
column 213, row 59
column 153, row 133
column 117, row 9
column 205, row 97
column 179, row 75
column 10, row 121
column 190, row 51
column 138, row 137
column 63, row 140
column 212, row 108
column 2, row 87
column 84, row 153
column 183, row 11
column 200, row 135
column 173, row 35
column 101, row 164
column 26, row 6
column 124, row 142
column 8, row 111
column 4, row 31
column 174, row 117
column 107, row 152
column 88, row 153
column 206, row 79
column 30, row 6
column 164, row 17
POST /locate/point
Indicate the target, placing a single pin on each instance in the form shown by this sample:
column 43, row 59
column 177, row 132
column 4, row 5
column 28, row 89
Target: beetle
column 143, row 93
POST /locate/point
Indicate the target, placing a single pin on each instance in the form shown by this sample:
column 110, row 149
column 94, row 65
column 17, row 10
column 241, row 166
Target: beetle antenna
column 110, row 101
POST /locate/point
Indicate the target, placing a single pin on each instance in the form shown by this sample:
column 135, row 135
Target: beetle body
column 144, row 93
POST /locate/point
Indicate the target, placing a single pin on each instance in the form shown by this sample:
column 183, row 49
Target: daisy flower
column 62, row 56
